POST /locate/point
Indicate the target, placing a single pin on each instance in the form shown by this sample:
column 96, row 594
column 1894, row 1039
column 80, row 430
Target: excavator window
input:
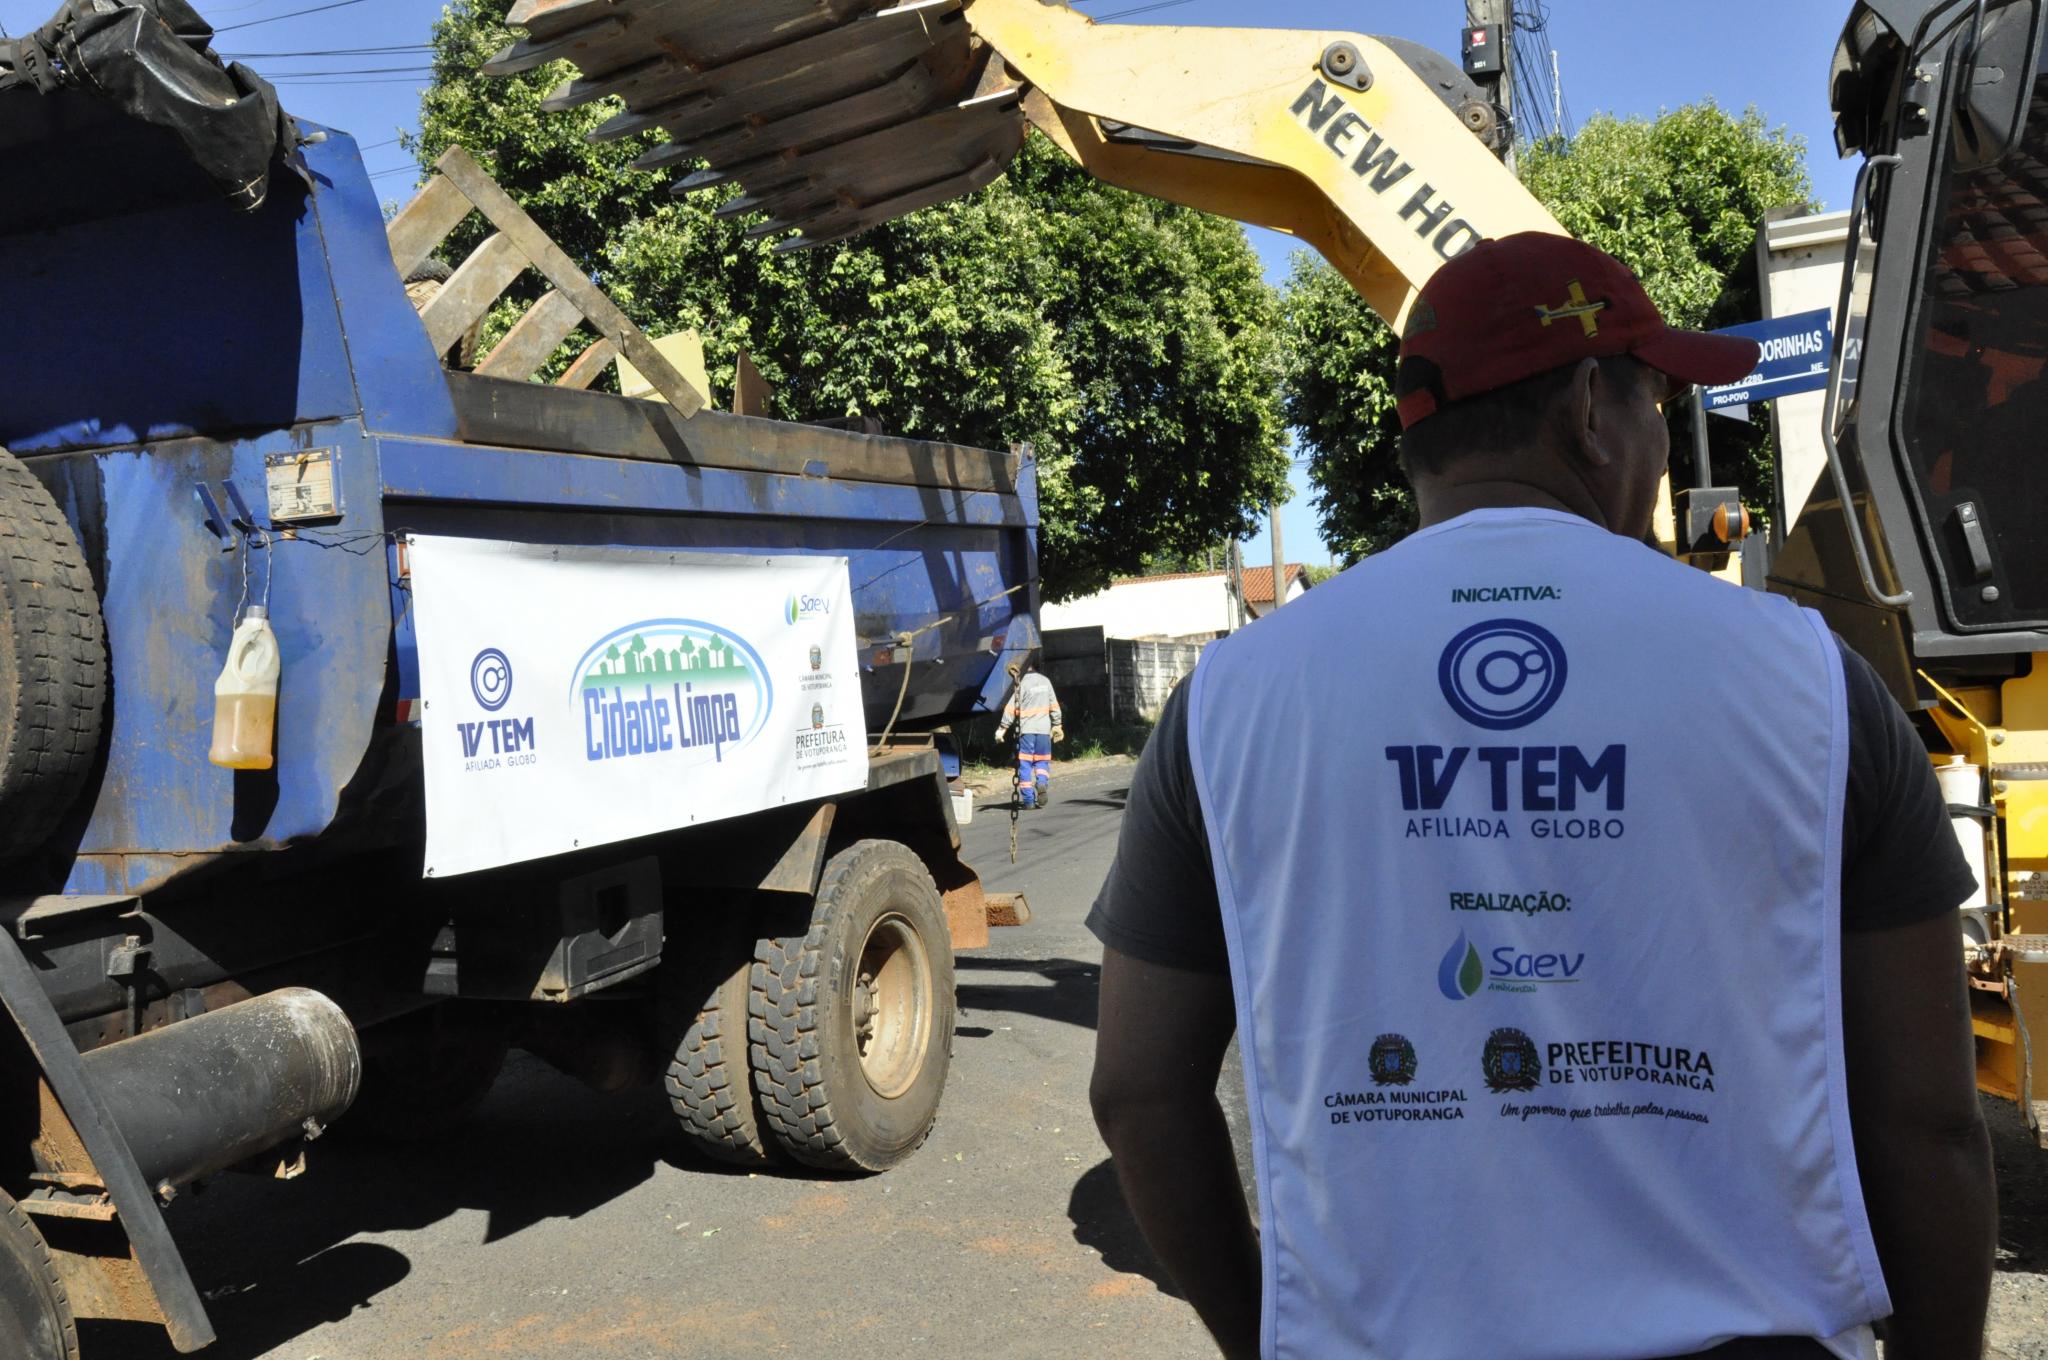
column 1975, row 411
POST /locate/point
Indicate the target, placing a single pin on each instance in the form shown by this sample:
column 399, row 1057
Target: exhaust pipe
column 200, row 1095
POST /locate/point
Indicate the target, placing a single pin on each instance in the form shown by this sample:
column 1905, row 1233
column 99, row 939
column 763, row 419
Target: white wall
column 1174, row 607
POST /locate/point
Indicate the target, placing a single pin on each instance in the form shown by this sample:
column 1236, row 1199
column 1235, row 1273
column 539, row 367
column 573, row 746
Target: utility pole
column 1494, row 71
column 1237, row 609
column 1556, row 96
column 1279, row 559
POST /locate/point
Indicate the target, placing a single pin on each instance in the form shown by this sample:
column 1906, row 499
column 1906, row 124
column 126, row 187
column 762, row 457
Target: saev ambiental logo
column 1463, row 970
column 680, row 687
column 800, row 606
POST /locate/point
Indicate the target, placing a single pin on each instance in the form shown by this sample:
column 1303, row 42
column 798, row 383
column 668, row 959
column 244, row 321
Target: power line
column 332, row 52
column 1540, row 97
column 317, row 9
column 355, row 71
column 370, row 80
column 1142, row 9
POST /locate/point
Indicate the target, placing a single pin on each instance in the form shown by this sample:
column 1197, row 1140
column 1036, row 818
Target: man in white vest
column 1587, row 924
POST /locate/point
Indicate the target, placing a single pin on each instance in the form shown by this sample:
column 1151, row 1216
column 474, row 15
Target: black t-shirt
column 1900, row 861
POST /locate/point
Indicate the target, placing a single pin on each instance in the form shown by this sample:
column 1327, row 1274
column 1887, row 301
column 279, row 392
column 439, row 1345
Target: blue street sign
column 1794, row 359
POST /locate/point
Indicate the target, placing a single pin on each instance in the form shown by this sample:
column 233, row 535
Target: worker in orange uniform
column 1034, row 710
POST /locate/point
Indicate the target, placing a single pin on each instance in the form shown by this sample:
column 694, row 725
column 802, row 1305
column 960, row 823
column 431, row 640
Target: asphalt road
column 559, row 1223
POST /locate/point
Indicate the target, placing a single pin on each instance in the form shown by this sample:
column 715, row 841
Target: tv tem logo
column 490, row 679
column 1502, row 674
column 494, row 743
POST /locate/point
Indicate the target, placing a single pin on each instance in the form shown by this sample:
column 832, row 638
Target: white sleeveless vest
column 1528, row 843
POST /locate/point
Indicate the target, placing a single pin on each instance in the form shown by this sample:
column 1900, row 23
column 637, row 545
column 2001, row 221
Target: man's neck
column 1438, row 501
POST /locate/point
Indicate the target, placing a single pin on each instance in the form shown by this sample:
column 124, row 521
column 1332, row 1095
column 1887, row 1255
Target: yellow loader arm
column 837, row 115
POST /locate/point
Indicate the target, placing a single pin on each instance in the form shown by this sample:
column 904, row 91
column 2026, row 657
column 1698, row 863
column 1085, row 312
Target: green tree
column 1678, row 198
column 1209, row 557
column 1133, row 343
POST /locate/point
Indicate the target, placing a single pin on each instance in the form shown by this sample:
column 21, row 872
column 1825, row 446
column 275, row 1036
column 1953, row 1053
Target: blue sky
column 1624, row 57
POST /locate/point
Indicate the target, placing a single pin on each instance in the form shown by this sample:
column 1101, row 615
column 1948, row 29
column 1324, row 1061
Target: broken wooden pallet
column 518, row 244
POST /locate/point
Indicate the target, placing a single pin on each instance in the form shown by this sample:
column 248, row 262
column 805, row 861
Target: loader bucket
column 832, row 116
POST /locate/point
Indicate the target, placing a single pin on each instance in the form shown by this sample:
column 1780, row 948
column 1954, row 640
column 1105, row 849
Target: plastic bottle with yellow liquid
column 245, row 696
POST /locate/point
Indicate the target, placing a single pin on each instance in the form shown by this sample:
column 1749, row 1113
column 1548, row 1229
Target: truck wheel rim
column 892, row 1006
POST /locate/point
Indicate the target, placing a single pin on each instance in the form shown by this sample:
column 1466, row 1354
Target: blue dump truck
column 605, row 727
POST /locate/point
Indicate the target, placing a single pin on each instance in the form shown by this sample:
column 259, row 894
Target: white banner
column 576, row 696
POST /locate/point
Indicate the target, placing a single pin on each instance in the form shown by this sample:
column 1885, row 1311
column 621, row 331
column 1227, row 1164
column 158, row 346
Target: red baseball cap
column 1511, row 308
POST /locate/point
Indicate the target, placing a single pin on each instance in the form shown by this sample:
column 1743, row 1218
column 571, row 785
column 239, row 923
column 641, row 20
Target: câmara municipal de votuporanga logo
column 1391, row 1060
column 681, row 688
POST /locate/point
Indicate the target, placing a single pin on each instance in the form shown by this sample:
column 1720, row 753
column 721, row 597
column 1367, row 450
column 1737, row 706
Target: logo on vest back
column 1503, row 968
column 1461, row 972
column 1391, row 1060
column 1502, row 674
column 1509, row 1062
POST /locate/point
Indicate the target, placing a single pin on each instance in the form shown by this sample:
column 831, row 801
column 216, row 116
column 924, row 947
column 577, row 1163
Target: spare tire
column 53, row 662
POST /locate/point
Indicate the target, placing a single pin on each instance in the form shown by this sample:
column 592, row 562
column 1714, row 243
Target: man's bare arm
column 1159, row 1045
column 1921, row 1146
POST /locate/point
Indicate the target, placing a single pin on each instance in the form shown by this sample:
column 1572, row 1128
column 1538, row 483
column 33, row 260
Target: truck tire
column 423, row 1074
column 35, row 1315
column 53, row 663
column 851, row 1025
column 709, row 1083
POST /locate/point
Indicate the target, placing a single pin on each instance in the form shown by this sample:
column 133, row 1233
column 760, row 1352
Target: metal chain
column 1016, row 806
column 2019, row 1015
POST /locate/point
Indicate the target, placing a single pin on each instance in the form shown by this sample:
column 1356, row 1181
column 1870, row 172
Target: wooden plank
column 561, row 271
column 827, row 227
column 588, row 365
column 710, row 32
column 536, row 416
column 475, row 286
column 684, row 349
column 908, row 93
column 577, row 44
column 783, row 80
column 424, row 223
column 541, row 17
column 532, row 339
column 750, row 391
